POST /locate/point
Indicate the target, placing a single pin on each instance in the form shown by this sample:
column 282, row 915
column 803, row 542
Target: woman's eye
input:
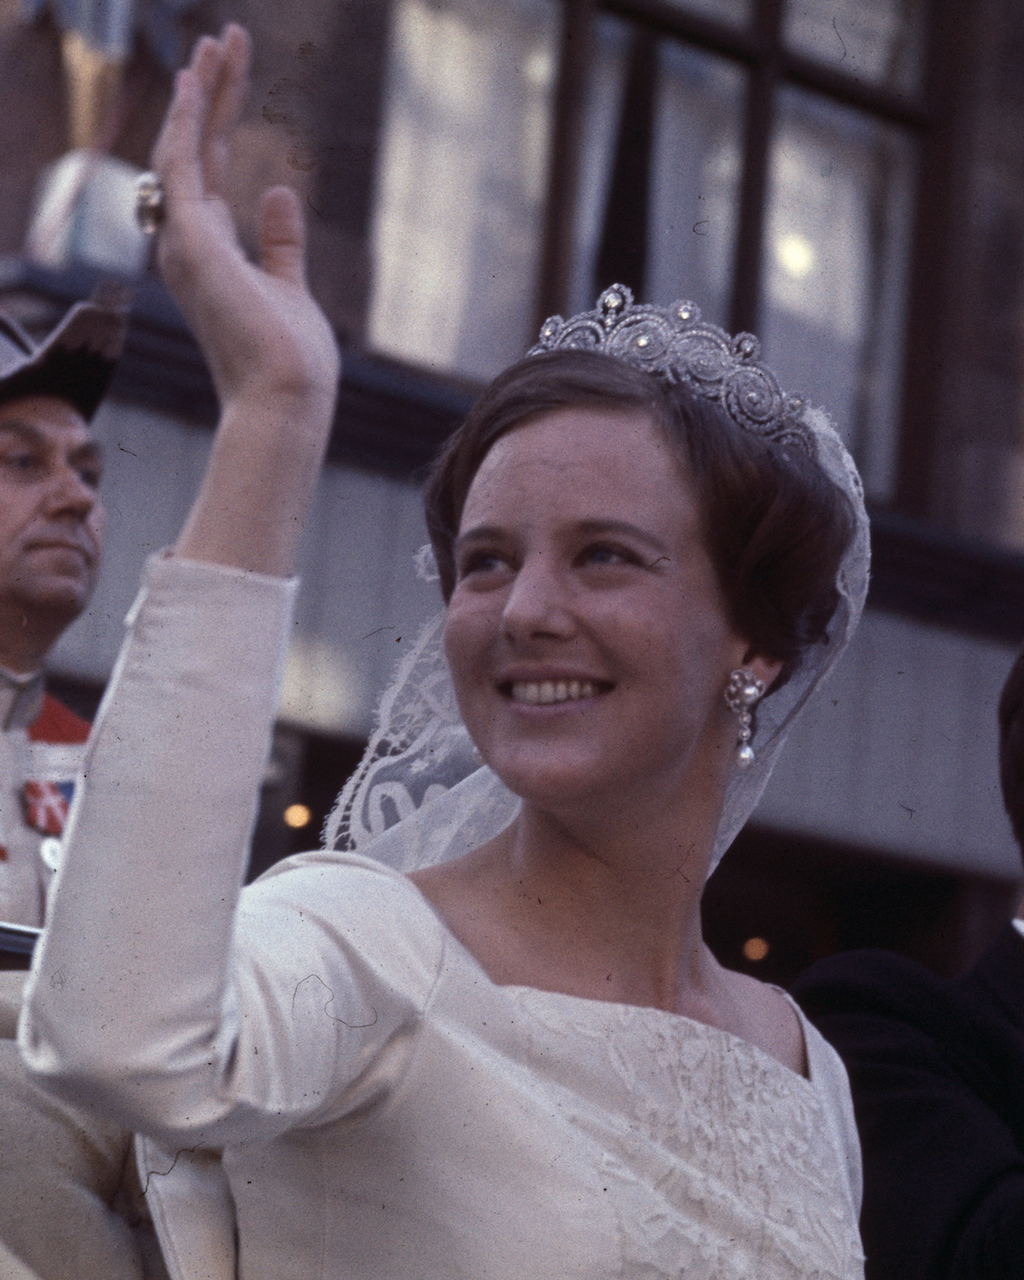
column 481, row 562
column 604, row 554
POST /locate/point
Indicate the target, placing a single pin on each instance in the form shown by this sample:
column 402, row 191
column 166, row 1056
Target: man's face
column 51, row 519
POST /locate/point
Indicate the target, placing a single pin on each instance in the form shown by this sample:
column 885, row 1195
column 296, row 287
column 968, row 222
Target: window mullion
column 559, row 231
column 749, row 252
column 622, row 256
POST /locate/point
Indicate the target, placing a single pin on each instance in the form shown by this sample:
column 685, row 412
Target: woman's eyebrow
column 595, row 528
column 480, row 533
column 590, row 528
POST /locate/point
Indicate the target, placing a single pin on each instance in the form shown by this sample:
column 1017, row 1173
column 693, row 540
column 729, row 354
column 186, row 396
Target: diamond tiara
column 676, row 345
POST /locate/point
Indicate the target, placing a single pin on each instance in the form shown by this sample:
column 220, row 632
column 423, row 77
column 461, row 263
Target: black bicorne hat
column 75, row 362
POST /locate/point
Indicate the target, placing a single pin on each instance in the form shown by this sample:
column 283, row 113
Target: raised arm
column 138, row 1002
column 268, row 346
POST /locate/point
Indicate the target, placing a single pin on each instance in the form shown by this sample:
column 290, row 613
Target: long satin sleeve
column 151, row 997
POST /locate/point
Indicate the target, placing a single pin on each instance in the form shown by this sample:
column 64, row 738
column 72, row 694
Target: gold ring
column 150, row 206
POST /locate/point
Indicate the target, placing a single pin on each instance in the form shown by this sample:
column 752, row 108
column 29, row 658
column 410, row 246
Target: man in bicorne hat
column 64, row 1209
column 51, row 526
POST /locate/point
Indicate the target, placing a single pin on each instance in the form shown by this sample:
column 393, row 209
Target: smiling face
column 586, row 633
column 51, row 524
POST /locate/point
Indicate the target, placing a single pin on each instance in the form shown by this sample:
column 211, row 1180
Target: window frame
column 929, row 116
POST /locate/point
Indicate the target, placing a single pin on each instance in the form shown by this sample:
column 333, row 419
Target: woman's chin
column 558, row 784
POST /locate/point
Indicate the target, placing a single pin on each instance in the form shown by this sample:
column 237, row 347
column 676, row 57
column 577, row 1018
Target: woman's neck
column 563, row 907
column 603, row 906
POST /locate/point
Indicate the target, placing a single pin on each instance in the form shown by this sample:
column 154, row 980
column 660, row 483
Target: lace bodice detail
column 714, row 1154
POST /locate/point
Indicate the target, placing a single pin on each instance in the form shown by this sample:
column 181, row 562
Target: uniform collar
column 21, row 699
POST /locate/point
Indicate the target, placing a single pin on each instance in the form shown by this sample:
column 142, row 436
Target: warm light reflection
column 755, row 949
column 298, row 815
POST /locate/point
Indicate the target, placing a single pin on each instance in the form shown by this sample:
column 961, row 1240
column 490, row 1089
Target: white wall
column 900, row 750
column 362, row 602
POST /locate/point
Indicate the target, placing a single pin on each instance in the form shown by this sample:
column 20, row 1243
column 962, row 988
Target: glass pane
column 836, row 255
column 460, row 183
column 695, row 180
column 737, row 11
column 688, row 225
column 881, row 41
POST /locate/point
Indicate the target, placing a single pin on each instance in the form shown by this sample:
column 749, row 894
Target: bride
column 482, row 1035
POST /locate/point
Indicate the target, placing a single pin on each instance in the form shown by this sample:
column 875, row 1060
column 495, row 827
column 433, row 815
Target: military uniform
column 41, row 750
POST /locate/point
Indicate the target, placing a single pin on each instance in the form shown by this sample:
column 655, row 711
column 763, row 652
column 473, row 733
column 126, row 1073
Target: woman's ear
column 766, row 669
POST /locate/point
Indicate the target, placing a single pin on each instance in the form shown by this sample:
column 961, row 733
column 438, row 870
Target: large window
column 760, row 157
column 836, row 250
column 461, row 171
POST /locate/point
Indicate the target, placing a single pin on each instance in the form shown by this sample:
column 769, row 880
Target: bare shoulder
column 767, row 1019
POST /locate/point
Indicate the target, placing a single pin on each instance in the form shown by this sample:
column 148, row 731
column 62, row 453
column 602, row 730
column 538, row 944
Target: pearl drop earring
column 743, row 692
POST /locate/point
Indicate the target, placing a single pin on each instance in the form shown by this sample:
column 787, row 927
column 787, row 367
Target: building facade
column 847, row 184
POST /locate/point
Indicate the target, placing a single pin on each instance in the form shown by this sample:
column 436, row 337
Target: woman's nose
column 539, row 601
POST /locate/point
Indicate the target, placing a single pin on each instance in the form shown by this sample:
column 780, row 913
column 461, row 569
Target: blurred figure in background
column 51, row 527
column 62, row 1171
column 937, row 1072
column 97, row 40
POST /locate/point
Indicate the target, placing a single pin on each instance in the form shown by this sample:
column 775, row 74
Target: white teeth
column 545, row 692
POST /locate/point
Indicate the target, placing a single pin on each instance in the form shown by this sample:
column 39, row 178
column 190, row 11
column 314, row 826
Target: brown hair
column 774, row 525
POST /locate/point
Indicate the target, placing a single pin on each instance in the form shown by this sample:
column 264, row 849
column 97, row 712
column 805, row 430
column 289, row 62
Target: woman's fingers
column 261, row 332
column 190, row 158
column 283, row 236
column 228, row 90
column 225, row 100
column 176, row 152
column 192, row 150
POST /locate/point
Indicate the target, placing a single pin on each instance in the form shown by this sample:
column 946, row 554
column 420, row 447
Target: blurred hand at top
column 262, row 333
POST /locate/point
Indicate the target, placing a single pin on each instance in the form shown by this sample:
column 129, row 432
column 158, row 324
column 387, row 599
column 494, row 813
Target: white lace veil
column 421, row 794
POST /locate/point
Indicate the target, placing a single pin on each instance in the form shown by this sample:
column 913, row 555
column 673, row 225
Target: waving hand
column 269, row 348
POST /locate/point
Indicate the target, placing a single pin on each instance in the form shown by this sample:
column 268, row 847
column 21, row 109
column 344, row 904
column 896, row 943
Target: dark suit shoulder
column 935, row 1071
column 876, row 1007
column 872, row 982
column 997, row 980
